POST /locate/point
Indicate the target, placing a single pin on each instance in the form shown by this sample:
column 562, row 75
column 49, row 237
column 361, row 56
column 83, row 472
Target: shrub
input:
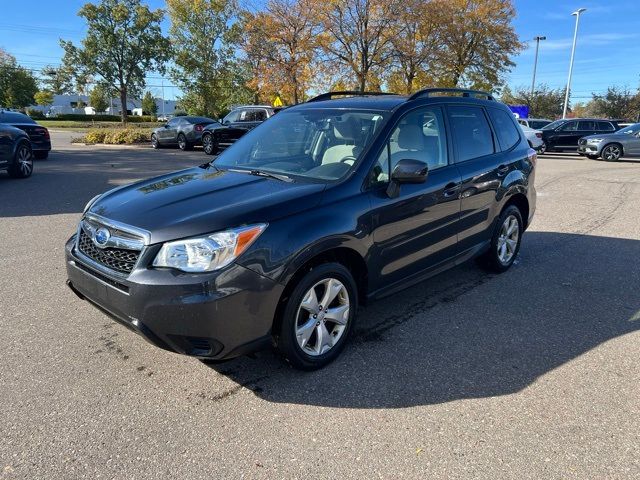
column 118, row 136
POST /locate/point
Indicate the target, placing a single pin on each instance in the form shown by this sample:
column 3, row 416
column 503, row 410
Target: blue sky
column 607, row 51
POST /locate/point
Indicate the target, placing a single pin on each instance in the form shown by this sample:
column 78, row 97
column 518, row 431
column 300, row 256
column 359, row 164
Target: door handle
column 451, row 189
column 502, row 170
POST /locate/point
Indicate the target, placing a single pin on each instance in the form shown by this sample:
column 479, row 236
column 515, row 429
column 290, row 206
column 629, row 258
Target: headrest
column 349, row 129
column 410, row 137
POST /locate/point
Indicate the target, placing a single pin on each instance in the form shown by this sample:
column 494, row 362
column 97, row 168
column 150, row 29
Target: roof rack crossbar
column 427, row 92
column 355, row 93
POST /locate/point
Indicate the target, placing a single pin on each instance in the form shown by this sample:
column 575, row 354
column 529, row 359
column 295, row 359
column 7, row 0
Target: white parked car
column 534, row 137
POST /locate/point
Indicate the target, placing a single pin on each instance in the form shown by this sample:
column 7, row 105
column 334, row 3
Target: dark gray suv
column 329, row 204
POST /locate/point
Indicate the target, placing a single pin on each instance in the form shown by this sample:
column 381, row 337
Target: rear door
column 483, row 163
column 416, row 231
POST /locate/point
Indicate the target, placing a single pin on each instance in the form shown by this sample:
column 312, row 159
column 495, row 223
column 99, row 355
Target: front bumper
column 589, row 149
column 215, row 315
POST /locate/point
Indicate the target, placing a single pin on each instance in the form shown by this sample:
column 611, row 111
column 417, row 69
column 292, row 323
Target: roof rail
column 426, row 92
column 354, row 93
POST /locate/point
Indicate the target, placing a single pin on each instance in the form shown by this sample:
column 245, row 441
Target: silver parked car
column 185, row 132
column 612, row 146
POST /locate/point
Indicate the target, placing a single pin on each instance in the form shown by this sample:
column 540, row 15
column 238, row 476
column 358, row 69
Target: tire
column 154, row 141
column 22, row 165
column 183, row 144
column 495, row 259
column 41, row 155
column 313, row 352
column 611, row 152
column 208, row 145
column 542, row 149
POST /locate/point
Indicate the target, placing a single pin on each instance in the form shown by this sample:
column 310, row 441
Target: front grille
column 119, row 259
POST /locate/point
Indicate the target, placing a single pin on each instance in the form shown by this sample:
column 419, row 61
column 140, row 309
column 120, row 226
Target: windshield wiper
column 262, row 173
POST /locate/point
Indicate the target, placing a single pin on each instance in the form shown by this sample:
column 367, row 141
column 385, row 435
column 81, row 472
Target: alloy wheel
column 24, row 159
column 508, row 239
column 182, row 142
column 611, row 152
column 207, row 144
column 154, row 141
column 543, row 148
column 322, row 316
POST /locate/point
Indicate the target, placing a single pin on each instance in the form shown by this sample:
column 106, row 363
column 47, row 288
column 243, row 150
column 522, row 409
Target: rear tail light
column 198, row 128
column 539, row 135
column 42, row 131
column 532, row 156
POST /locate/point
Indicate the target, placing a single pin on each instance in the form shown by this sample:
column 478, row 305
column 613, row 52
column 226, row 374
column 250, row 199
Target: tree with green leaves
column 616, row 103
column 58, row 80
column 204, row 35
column 43, row 97
column 544, row 103
column 124, row 42
column 17, row 84
column 149, row 105
column 99, row 98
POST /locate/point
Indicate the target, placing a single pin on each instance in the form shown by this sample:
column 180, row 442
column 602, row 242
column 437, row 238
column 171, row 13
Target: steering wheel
column 349, row 158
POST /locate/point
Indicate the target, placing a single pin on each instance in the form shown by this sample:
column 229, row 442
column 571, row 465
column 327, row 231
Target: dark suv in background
column 564, row 134
column 329, row 204
column 218, row 137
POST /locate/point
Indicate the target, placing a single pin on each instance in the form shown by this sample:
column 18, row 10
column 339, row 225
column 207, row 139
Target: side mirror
column 406, row 171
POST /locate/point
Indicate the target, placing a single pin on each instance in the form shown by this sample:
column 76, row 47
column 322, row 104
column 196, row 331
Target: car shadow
column 468, row 334
column 69, row 178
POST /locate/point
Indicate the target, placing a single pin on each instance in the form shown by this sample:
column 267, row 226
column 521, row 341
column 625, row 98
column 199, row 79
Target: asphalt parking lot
column 529, row 374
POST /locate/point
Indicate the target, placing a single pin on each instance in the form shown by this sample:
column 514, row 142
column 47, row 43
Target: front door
column 416, row 231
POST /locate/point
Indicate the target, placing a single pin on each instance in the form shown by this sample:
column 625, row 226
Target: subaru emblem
column 102, row 237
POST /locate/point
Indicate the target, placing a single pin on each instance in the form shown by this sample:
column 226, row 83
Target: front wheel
column 505, row 242
column 208, row 145
column 155, row 143
column 612, row 153
column 318, row 317
column 22, row 166
column 542, row 149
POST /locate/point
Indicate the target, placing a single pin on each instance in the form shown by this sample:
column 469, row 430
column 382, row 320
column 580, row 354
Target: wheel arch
column 520, row 201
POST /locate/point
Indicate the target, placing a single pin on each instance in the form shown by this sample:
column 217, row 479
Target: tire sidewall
column 14, row 169
column 287, row 341
column 494, row 261
column 207, row 136
column 612, row 159
column 154, row 141
column 182, row 145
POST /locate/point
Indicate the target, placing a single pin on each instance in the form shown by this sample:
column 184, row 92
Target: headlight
column 594, row 140
column 90, row 202
column 208, row 253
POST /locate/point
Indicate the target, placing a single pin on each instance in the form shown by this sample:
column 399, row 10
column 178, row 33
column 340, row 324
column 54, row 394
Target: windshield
column 321, row 144
column 631, row 129
column 554, row 125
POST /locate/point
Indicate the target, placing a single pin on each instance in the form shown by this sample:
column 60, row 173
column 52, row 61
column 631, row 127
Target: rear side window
column 471, row 132
column 605, row 127
column 587, row 125
column 506, row 130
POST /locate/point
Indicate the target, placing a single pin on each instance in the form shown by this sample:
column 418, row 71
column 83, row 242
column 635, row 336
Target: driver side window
column 418, row 136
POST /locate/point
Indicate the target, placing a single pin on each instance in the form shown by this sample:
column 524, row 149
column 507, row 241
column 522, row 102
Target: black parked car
column 329, row 204
column 564, row 134
column 16, row 156
column 218, row 137
column 184, row 132
column 39, row 135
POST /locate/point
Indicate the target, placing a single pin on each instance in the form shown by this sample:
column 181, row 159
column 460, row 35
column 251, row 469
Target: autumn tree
column 416, row 44
column 357, row 36
column 43, row 97
column 616, row 103
column 204, row 34
column 282, row 43
column 544, row 103
column 123, row 44
column 478, row 41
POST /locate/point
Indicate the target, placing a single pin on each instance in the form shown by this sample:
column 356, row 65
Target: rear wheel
column 318, row 317
column 612, row 152
column 22, row 166
column 505, row 242
column 182, row 142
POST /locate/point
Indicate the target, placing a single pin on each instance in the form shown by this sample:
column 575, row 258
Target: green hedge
column 103, row 118
column 117, row 136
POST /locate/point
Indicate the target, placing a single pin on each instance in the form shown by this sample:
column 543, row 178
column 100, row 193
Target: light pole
column 535, row 63
column 573, row 51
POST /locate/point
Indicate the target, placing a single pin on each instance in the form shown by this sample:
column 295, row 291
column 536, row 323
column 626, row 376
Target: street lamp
column 535, row 62
column 573, row 51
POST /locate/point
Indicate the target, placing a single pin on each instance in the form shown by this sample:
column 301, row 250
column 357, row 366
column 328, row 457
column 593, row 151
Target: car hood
column 203, row 200
column 608, row 136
